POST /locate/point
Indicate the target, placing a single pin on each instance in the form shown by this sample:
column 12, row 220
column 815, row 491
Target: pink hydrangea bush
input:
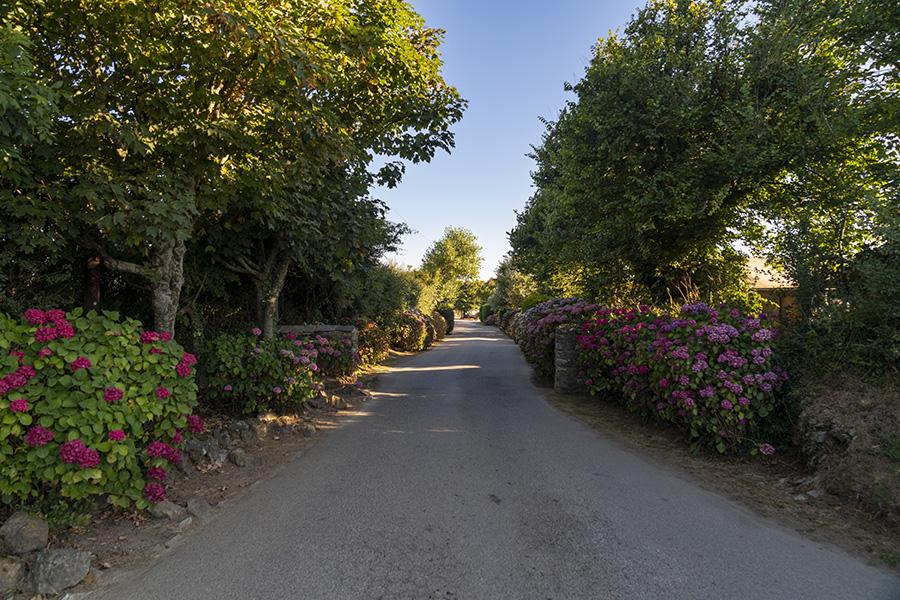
column 245, row 373
column 79, row 406
column 708, row 371
column 537, row 330
column 334, row 356
column 374, row 342
column 410, row 332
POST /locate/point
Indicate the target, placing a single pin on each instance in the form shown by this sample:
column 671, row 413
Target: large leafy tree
column 185, row 113
column 451, row 261
column 646, row 179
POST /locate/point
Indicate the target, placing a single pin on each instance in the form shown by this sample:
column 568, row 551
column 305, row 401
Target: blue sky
column 509, row 59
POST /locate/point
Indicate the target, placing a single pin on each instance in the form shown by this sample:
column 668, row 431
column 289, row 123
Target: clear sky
column 509, row 59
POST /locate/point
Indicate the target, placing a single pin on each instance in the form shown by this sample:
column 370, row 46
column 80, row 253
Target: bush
column 430, row 332
column 409, row 332
column 449, row 317
column 490, row 320
column 90, row 405
column 440, row 325
column 537, row 334
column 484, row 312
column 334, row 357
column 244, row 373
column 505, row 320
column 374, row 343
column 708, row 371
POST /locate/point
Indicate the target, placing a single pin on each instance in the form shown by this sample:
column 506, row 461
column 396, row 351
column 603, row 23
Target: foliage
column 90, row 405
column 449, row 263
column 409, row 332
column 334, row 357
column 245, row 373
column 710, row 372
column 638, row 198
column 440, row 325
column 374, row 342
column 484, row 312
column 511, row 287
column 449, row 318
column 192, row 122
column 538, row 330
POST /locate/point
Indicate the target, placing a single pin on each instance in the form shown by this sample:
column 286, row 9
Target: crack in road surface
column 460, row 481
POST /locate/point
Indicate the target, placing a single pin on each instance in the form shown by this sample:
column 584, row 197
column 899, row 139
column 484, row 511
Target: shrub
column 707, row 371
column 374, row 343
column 334, row 357
column 90, row 405
column 484, row 312
column 440, row 325
column 490, row 320
column 537, row 335
column 430, row 331
column 449, row 316
column 245, row 373
column 409, row 332
column 505, row 320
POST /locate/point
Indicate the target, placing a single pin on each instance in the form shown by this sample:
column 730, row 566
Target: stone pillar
column 565, row 379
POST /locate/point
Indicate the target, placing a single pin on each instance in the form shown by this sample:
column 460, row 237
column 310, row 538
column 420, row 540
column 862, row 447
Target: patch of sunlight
column 354, row 413
column 444, row 430
column 471, row 339
column 425, row 369
column 389, row 394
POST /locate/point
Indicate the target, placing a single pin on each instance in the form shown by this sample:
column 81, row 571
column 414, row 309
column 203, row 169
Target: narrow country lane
column 460, row 481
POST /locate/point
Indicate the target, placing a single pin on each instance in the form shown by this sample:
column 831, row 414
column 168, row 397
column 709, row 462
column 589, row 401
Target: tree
column 184, row 113
column 511, row 286
column 451, row 261
column 650, row 176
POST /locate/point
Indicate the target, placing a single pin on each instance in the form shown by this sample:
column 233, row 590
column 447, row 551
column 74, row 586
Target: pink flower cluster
column 159, row 449
column 38, row 436
column 56, row 324
column 17, row 379
column 183, row 368
column 113, row 394
column 163, row 392
column 116, row 435
column 150, row 337
column 82, row 362
column 195, row 424
column 157, row 473
column 75, row 452
column 154, row 491
column 537, row 333
column 19, row 405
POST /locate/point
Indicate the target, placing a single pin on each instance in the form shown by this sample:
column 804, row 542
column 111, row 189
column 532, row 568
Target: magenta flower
column 38, row 436
column 726, row 405
column 256, row 331
column 148, row 337
column 163, row 392
column 195, row 424
column 276, row 390
column 165, row 336
column 155, row 491
column 189, row 359
column 767, row 449
column 155, row 350
column 19, row 355
column 113, row 394
column 35, row 316
column 157, row 473
column 227, row 387
column 159, row 449
column 19, row 405
column 45, row 352
column 82, row 362
column 74, row 451
column 116, row 435
column 183, row 370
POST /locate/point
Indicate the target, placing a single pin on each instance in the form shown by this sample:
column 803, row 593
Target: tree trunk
column 92, row 284
column 168, row 279
column 271, row 285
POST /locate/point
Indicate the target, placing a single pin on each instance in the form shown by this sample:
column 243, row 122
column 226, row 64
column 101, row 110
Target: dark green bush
column 409, row 332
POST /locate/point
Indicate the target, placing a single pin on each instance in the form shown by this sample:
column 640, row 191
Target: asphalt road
column 461, row 482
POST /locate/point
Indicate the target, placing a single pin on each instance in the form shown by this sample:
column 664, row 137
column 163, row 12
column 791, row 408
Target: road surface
column 460, row 481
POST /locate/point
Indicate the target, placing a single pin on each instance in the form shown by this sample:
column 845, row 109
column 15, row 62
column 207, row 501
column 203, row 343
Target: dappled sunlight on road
column 469, row 339
column 425, row 369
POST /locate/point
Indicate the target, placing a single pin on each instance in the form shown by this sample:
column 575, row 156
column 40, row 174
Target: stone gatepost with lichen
column 566, row 379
